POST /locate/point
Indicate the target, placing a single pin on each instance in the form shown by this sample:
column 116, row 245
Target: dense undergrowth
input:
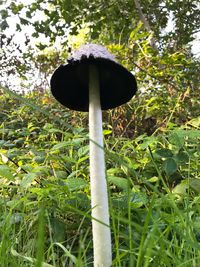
column 151, row 144
column 153, row 178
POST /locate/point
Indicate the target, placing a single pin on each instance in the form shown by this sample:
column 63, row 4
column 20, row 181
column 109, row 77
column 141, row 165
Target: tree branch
column 145, row 22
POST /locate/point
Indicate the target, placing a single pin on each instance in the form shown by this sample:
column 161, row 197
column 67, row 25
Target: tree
column 116, row 17
column 133, row 30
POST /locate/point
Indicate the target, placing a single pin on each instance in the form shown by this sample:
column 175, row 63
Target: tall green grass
column 45, row 219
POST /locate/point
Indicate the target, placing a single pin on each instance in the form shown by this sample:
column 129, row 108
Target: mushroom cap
column 70, row 82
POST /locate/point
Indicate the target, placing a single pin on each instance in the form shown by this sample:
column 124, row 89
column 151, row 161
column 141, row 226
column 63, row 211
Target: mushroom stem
column 99, row 195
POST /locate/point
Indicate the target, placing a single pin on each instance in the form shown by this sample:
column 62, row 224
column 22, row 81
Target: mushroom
column 93, row 81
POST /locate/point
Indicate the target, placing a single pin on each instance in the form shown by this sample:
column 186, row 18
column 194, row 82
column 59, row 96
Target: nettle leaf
column 75, row 183
column 138, row 199
column 178, row 137
column 170, row 166
column 58, row 229
column 60, row 174
column 5, row 172
column 120, row 202
column 147, row 141
column 39, row 159
column 175, row 139
column 121, row 183
column 61, row 145
column 164, row 153
column 182, row 156
column 190, row 134
column 84, row 150
column 64, row 144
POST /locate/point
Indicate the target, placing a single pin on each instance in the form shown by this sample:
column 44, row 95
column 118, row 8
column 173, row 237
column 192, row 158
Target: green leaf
column 195, row 184
column 2, row 141
column 4, row 13
column 164, row 153
column 181, row 189
column 84, row 150
column 178, row 137
column 153, row 179
column 107, row 132
column 16, row 8
column 9, row 144
column 24, row 21
column 182, row 156
column 75, row 183
column 147, row 141
column 28, row 179
column 170, row 166
column 5, row 172
column 175, row 139
column 195, row 122
column 39, row 159
column 58, row 230
column 60, row 174
column 120, row 202
column 65, row 144
column 83, row 159
column 61, row 145
column 121, row 183
column 3, row 25
column 134, row 34
column 35, row 34
column 138, row 199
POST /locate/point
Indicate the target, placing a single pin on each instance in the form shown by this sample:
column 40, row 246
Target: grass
column 45, row 209
column 161, row 233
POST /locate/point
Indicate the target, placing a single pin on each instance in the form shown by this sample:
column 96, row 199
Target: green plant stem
column 99, row 195
column 40, row 238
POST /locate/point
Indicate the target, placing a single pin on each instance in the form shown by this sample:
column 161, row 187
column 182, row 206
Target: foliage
column 101, row 15
column 151, row 143
column 45, row 197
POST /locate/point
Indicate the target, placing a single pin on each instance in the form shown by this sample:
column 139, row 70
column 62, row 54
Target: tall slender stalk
column 99, row 195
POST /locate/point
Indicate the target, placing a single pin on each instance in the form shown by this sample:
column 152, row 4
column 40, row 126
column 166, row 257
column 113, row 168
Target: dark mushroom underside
column 70, row 84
